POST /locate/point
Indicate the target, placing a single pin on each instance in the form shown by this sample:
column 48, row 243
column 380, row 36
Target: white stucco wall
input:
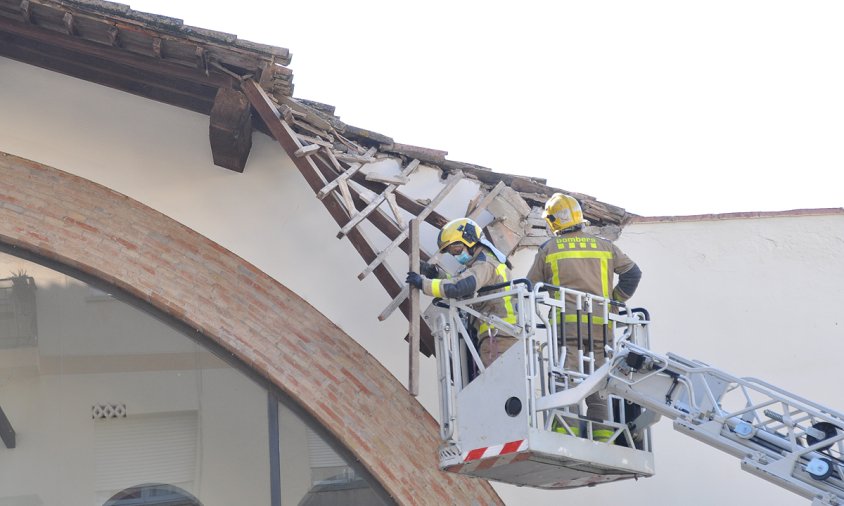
column 724, row 292
column 160, row 155
column 91, row 350
column 756, row 297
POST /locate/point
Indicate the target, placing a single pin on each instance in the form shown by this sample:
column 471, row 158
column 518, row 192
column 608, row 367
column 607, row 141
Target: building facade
column 177, row 331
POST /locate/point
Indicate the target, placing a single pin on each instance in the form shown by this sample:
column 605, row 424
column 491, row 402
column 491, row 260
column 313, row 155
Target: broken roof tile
column 102, row 6
column 223, row 37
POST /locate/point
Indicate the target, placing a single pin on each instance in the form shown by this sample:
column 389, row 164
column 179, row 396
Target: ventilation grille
column 105, row 411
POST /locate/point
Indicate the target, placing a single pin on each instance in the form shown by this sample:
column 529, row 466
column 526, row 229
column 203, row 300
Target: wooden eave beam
column 184, row 94
column 114, row 55
column 230, row 129
column 285, row 136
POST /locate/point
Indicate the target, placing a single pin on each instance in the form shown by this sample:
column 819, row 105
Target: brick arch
column 110, row 237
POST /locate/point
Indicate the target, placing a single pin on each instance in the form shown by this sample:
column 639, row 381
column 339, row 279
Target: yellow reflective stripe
column 596, row 320
column 501, row 270
column 603, row 256
column 510, row 317
column 436, row 287
column 582, row 245
column 602, row 435
column 575, row 430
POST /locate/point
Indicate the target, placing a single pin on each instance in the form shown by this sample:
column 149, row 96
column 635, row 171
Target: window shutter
column 321, row 454
column 159, row 448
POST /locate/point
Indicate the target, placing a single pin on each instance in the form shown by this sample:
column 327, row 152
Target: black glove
column 430, row 271
column 414, row 279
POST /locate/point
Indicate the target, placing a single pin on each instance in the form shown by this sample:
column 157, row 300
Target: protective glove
column 414, row 279
column 430, row 271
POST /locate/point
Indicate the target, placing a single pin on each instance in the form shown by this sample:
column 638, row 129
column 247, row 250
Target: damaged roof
column 162, row 59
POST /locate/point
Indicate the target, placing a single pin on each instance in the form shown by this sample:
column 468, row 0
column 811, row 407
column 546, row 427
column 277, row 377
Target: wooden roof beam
column 90, row 51
column 173, row 91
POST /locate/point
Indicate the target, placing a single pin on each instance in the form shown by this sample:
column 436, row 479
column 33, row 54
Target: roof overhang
column 155, row 57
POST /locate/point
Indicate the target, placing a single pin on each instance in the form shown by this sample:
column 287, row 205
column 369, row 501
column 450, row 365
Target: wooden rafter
column 433, row 218
column 384, row 223
column 346, row 175
column 357, row 218
column 379, row 260
column 434, row 259
column 288, row 139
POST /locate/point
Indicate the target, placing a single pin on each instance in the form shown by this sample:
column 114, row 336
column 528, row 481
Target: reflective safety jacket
column 482, row 270
column 585, row 262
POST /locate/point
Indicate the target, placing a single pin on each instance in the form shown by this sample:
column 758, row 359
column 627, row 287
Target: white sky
column 660, row 107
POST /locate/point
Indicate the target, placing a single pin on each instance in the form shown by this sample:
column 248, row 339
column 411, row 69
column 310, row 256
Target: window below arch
column 115, row 406
column 153, row 494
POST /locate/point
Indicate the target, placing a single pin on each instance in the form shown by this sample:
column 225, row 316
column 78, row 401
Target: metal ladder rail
column 584, row 306
column 557, row 378
column 443, row 349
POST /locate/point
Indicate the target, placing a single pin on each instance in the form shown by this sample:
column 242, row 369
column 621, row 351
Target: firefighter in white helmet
column 484, row 265
column 581, row 261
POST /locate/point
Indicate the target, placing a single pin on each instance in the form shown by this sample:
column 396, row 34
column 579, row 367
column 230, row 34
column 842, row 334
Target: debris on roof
column 534, row 191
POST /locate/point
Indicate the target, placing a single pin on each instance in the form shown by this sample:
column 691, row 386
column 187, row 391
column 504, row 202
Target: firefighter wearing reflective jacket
column 484, row 266
column 581, row 261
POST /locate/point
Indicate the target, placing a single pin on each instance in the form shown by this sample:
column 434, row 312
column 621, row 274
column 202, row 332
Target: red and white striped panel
column 494, row 451
column 480, row 459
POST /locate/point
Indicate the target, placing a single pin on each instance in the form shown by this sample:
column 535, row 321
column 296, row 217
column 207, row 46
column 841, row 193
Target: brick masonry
column 109, row 236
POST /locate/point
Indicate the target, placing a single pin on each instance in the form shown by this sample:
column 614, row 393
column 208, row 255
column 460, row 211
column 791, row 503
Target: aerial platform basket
column 491, row 427
column 549, row 460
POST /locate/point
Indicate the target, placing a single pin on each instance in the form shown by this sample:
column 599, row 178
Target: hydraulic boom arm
column 790, row 441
